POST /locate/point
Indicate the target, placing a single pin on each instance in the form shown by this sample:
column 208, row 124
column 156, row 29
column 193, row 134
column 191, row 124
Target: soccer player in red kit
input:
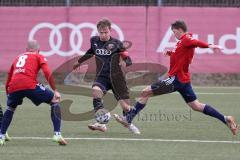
column 179, row 79
column 22, row 82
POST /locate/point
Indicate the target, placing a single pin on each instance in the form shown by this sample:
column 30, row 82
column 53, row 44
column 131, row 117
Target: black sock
column 134, row 111
column 56, row 117
column 208, row 110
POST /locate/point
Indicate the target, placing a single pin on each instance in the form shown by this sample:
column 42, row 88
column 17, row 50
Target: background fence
column 196, row 3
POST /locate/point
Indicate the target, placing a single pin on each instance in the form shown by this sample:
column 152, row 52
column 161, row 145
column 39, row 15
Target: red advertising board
column 64, row 33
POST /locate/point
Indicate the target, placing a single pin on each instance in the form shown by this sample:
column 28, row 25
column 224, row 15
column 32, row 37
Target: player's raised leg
column 158, row 88
column 211, row 111
column 186, row 91
column 127, row 110
column 128, row 116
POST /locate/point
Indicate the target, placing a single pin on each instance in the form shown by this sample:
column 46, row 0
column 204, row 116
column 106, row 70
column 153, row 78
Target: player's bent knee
column 55, row 100
column 96, row 95
column 97, row 92
column 196, row 106
column 96, row 88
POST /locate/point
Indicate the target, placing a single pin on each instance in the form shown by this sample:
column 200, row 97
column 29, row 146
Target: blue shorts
column 120, row 91
column 172, row 84
column 38, row 95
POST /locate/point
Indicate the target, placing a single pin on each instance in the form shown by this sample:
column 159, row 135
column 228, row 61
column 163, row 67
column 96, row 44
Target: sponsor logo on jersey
column 103, row 52
column 19, row 70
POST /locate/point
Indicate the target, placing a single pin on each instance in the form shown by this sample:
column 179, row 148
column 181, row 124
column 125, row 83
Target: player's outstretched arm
column 195, row 42
column 201, row 44
column 215, row 47
column 85, row 57
column 48, row 76
column 50, row 79
column 189, row 42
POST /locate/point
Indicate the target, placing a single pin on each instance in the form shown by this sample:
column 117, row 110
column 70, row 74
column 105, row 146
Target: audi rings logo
column 75, row 39
column 103, row 52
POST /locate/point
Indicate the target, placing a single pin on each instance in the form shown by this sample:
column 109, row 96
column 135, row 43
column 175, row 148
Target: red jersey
column 181, row 57
column 24, row 71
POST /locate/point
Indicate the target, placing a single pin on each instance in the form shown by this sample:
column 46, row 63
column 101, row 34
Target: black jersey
column 107, row 56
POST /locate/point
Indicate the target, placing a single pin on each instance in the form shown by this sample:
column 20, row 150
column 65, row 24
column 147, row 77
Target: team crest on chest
column 110, row 46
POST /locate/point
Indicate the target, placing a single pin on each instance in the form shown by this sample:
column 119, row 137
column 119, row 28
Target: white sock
column 57, row 133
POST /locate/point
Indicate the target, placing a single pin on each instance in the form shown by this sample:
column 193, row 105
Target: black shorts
column 172, row 84
column 120, row 90
column 38, row 95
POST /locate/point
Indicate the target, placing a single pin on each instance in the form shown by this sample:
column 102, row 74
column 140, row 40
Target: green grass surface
column 166, row 117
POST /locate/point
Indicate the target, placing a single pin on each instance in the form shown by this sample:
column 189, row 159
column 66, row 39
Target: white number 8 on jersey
column 21, row 61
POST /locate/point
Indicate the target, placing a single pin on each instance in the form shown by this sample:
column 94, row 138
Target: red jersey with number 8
column 24, row 71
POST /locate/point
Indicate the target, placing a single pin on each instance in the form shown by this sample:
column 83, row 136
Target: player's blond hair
column 104, row 23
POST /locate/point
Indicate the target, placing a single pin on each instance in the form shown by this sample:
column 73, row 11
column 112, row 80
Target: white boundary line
column 132, row 139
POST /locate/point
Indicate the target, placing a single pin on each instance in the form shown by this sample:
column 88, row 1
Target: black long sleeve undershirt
column 86, row 56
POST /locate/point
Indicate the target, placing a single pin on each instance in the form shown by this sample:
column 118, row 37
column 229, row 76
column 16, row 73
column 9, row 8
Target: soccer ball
column 102, row 116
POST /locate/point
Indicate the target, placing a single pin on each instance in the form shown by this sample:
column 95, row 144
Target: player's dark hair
column 104, row 23
column 179, row 25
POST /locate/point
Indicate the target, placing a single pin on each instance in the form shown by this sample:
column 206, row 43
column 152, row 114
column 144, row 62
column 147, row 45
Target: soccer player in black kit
column 110, row 56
